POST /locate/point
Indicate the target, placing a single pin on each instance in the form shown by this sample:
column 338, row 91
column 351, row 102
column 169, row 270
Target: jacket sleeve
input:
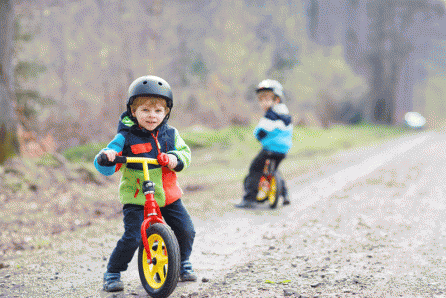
column 263, row 128
column 182, row 152
column 260, row 133
column 116, row 144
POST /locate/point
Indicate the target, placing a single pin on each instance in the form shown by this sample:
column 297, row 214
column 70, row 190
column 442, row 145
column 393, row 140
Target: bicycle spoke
column 160, row 271
column 163, row 260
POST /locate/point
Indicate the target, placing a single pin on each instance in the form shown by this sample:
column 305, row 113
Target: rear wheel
column 274, row 192
column 160, row 277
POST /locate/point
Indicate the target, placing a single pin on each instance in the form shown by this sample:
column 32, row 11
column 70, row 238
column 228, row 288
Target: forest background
column 339, row 61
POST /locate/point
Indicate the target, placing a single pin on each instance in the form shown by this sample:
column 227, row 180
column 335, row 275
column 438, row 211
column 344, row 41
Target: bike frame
column 269, row 170
column 152, row 212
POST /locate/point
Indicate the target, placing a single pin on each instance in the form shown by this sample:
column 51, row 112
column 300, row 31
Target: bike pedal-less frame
column 159, row 253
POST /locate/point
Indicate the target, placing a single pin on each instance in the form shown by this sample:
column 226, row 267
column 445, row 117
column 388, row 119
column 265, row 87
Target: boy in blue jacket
column 275, row 132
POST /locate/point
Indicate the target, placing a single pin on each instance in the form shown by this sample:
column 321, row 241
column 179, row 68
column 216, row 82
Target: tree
column 393, row 33
column 382, row 41
column 8, row 132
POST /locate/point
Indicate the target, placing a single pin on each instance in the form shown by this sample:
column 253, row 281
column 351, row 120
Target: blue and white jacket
column 275, row 129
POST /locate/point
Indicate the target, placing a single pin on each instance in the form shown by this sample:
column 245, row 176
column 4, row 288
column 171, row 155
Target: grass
column 85, row 152
column 234, row 145
column 341, row 137
column 221, row 158
column 225, row 154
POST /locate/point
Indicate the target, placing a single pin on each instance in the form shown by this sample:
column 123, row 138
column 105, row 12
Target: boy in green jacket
column 143, row 132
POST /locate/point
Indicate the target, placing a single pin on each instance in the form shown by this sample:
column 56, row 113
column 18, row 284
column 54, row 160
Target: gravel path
column 369, row 224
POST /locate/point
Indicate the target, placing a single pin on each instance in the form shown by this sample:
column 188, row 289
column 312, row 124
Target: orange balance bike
column 159, row 253
column 270, row 184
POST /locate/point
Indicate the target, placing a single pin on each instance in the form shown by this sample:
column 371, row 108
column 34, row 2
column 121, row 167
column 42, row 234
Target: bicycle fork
column 152, row 214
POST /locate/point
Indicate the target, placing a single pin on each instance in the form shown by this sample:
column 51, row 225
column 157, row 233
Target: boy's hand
column 111, row 154
column 173, row 161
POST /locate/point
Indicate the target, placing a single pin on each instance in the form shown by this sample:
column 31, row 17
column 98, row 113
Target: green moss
column 8, row 143
column 47, row 160
column 85, row 152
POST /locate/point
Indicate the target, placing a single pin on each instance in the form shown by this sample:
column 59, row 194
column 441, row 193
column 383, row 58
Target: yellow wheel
column 273, row 193
column 160, row 276
column 262, row 192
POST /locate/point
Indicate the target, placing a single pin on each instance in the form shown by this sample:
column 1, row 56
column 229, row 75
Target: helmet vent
column 145, row 82
column 159, row 83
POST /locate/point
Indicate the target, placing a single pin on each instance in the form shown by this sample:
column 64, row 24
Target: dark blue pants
column 251, row 182
column 175, row 215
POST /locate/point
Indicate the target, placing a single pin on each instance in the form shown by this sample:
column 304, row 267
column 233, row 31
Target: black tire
column 160, row 279
column 274, row 191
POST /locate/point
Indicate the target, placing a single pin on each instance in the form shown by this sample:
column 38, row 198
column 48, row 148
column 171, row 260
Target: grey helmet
column 273, row 86
column 150, row 86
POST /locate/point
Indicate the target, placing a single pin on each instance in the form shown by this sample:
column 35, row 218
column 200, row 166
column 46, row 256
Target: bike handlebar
column 121, row 159
column 103, row 160
column 162, row 160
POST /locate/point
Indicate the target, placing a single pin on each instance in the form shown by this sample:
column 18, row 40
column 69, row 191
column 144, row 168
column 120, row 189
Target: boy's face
column 267, row 99
column 151, row 112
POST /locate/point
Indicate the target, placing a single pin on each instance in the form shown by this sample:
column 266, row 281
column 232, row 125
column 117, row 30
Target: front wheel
column 160, row 277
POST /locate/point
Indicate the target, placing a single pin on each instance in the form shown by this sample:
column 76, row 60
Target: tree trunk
column 384, row 40
column 8, row 126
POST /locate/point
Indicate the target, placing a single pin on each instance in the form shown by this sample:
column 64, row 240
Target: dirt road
column 368, row 224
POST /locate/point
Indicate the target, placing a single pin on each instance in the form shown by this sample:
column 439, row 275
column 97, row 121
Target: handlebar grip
column 120, row 159
column 163, row 159
column 103, row 160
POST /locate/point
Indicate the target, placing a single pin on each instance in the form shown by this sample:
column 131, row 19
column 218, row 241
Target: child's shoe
column 286, row 201
column 186, row 272
column 246, row 204
column 112, row 282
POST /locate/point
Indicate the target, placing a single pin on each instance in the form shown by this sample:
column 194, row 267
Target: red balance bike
column 159, row 252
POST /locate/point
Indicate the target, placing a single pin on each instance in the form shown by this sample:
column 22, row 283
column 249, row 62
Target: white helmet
column 271, row 85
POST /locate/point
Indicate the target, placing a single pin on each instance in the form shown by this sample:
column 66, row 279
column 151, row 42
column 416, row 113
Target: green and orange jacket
column 132, row 140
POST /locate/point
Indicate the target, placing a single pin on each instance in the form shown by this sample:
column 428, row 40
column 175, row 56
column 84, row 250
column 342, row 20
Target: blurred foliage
column 75, row 61
column 26, row 73
column 85, row 153
column 432, row 94
column 8, row 144
column 328, row 73
column 83, row 55
column 20, row 34
column 28, row 70
column 47, row 160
